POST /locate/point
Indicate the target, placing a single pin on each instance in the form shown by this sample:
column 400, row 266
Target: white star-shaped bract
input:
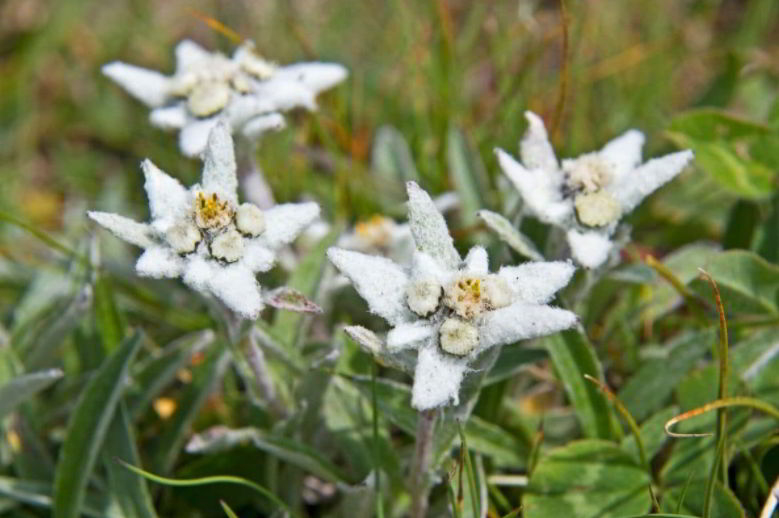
column 203, row 235
column 448, row 308
column 586, row 196
column 246, row 90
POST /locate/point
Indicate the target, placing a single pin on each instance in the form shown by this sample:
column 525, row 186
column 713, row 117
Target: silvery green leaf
column 513, row 237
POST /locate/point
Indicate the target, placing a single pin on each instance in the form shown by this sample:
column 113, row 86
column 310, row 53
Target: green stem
column 423, row 454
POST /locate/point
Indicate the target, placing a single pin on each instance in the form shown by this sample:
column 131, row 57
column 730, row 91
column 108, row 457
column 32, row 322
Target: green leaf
column 204, row 378
column 300, row 455
column 725, row 503
column 712, row 124
column 748, row 283
column 573, row 357
column 287, row 325
column 468, row 175
column 38, row 494
column 652, row 434
column 654, row 382
column 154, row 374
column 107, row 317
column 507, row 232
column 391, row 157
column 128, row 490
column 23, row 387
column 87, row 428
column 229, row 512
column 511, row 360
column 587, row 478
column 741, row 175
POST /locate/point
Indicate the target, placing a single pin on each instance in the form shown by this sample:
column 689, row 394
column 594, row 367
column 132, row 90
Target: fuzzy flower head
column 588, row 195
column 204, row 235
column 451, row 309
column 245, row 89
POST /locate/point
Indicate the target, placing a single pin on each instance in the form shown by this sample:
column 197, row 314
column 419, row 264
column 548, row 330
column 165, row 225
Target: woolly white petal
column 148, row 86
column 257, row 257
column 624, row 152
column 169, row 117
column 219, row 169
column 242, row 108
column 197, row 272
column 537, row 282
column 633, row 188
column 126, row 229
column 236, row 286
column 167, row 197
column 425, row 268
column 521, row 321
column 404, row 336
column 314, row 76
column 429, row 229
column 285, row 94
column 590, row 249
column 194, row 136
column 540, row 189
column 535, row 149
column 159, row 262
column 437, row 379
column 255, row 128
column 188, row 53
column 283, row 223
column 477, row 262
column 378, row 280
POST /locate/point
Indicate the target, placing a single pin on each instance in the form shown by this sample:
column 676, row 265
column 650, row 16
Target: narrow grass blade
column 23, row 387
column 130, row 492
column 201, row 481
column 107, row 317
column 573, row 357
column 469, row 472
column 229, row 512
column 38, row 494
column 87, row 429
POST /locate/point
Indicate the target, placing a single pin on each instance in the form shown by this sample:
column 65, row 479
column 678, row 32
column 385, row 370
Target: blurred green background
column 70, row 139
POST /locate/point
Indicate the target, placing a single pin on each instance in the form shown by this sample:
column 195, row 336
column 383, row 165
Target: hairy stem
column 255, row 187
column 421, row 464
column 259, row 366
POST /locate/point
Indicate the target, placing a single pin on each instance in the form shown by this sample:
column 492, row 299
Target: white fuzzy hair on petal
column 219, row 168
column 378, row 280
column 314, row 76
column 540, row 189
column 477, row 262
column 437, row 379
column 624, row 152
column 148, row 86
column 193, row 137
column 167, row 197
column 535, row 149
column 158, row 263
column 126, row 229
column 642, row 182
column 590, row 249
column 537, row 282
column 521, row 321
column 169, row 117
column 236, row 286
column 428, row 227
column 286, row 221
column 404, row 336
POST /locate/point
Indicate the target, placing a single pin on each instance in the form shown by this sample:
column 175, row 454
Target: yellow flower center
column 588, row 173
column 212, row 213
column 376, row 232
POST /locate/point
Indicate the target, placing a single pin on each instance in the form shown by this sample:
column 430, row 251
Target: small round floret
column 250, row 219
column 228, row 246
column 423, row 297
column 458, row 337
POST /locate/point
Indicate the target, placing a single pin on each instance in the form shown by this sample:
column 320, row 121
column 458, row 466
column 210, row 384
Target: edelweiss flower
column 245, row 89
column 586, row 196
column 204, row 235
column 451, row 309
